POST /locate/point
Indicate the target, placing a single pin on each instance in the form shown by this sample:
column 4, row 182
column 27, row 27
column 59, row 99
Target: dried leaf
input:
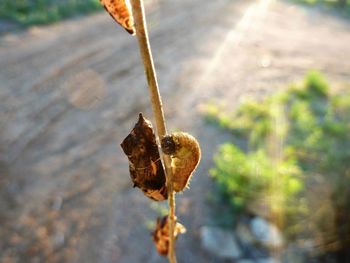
column 120, row 11
column 145, row 166
column 160, row 235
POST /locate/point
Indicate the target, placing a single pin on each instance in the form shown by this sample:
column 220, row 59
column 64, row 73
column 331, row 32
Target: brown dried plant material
column 145, row 166
column 185, row 155
column 120, row 11
column 160, row 235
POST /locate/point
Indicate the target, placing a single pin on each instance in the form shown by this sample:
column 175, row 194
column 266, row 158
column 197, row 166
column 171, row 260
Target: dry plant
column 181, row 152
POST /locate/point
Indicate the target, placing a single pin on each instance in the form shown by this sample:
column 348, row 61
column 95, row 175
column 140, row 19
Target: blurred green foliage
column 244, row 178
column 29, row 12
column 340, row 3
column 341, row 7
column 294, row 136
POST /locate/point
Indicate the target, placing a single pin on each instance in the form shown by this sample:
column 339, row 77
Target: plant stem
column 146, row 54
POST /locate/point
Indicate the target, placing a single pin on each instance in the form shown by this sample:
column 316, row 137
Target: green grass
column 296, row 138
column 31, row 12
column 335, row 3
column 337, row 6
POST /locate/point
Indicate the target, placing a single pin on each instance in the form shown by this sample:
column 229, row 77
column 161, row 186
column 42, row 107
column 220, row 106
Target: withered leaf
column 120, row 11
column 145, row 166
column 160, row 235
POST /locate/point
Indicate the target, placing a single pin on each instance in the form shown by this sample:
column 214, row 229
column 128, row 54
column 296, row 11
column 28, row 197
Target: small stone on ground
column 266, row 233
column 220, row 243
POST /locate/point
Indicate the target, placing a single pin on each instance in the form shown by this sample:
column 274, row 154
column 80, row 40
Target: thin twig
column 146, row 54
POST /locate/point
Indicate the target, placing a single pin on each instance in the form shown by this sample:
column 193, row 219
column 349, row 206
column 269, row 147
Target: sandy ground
column 71, row 92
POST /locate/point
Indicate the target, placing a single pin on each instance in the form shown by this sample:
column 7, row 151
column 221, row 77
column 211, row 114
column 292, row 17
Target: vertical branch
column 146, row 54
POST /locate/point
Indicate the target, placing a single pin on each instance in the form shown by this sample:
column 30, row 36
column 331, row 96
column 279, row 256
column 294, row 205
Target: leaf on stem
column 145, row 166
column 160, row 235
column 120, row 11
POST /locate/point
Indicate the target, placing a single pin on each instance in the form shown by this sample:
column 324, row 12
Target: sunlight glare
column 254, row 13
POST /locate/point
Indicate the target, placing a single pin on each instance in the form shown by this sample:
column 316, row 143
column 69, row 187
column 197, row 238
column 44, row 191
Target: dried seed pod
column 185, row 154
column 146, row 168
column 160, row 235
column 120, row 11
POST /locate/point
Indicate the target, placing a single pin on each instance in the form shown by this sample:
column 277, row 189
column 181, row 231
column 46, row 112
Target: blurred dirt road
column 71, row 92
